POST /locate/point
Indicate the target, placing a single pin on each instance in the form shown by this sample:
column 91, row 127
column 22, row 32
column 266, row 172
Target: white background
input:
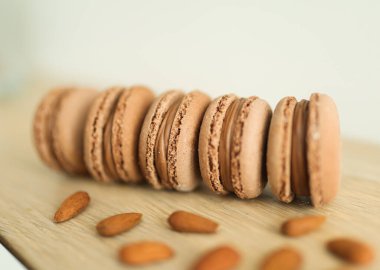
column 265, row 48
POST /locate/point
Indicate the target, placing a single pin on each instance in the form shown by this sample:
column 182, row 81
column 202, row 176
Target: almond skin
column 302, row 225
column 285, row 258
column 220, row 258
column 117, row 224
column 352, row 251
column 72, row 206
column 182, row 221
column 145, row 252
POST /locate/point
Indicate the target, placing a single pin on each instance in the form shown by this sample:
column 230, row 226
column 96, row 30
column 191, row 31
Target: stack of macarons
column 171, row 141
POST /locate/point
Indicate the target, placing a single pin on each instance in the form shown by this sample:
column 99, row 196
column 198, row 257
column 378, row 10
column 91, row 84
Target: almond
column 118, row 224
column 285, row 258
column 72, row 206
column 220, row 258
column 182, row 221
column 302, row 225
column 352, row 251
column 145, row 252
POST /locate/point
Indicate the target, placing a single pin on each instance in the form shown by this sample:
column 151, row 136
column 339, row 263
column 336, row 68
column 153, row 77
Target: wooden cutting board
column 30, row 194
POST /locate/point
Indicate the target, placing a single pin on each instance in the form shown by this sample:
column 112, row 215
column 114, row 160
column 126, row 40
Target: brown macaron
column 303, row 158
column 169, row 138
column 232, row 145
column 112, row 133
column 58, row 128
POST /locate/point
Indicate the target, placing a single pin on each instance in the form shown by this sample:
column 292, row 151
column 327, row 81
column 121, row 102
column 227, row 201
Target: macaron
column 303, row 158
column 58, row 128
column 169, row 138
column 232, row 145
column 112, row 132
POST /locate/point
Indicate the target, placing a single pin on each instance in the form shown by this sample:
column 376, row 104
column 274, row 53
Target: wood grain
column 30, row 193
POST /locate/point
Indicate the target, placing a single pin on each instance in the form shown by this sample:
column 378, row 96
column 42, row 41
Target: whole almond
column 145, row 252
column 352, row 251
column 182, row 221
column 302, row 225
column 220, row 258
column 72, row 206
column 118, row 224
column 285, row 258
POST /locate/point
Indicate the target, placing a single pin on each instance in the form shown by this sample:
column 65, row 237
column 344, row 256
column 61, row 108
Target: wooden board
column 30, row 193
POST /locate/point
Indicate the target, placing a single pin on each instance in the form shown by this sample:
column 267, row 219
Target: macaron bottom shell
column 153, row 121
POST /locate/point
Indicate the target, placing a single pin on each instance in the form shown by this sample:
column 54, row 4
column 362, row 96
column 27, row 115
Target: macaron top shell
column 149, row 133
column 183, row 165
column 42, row 127
column 100, row 113
column 249, row 148
column 279, row 150
column 323, row 153
column 209, row 140
column 126, row 124
column 68, row 128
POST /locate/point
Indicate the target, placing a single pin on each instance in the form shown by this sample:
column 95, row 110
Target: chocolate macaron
column 112, row 133
column 58, row 128
column 232, row 145
column 169, row 139
column 303, row 158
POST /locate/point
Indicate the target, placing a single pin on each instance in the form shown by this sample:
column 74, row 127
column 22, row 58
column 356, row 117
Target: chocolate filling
column 226, row 142
column 52, row 134
column 108, row 159
column 107, row 149
column 161, row 146
column 299, row 169
column 50, row 128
